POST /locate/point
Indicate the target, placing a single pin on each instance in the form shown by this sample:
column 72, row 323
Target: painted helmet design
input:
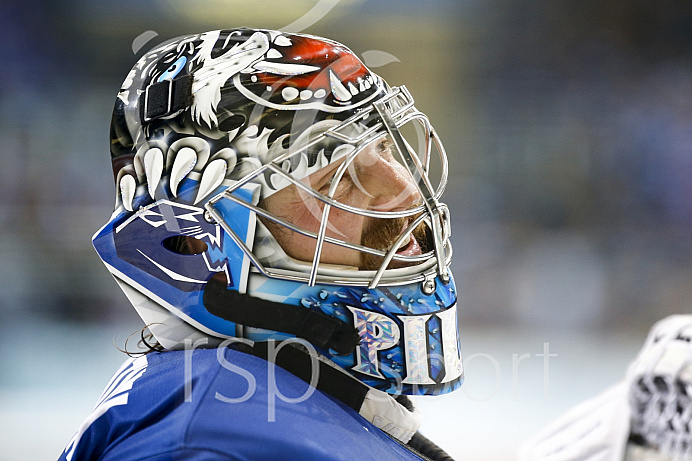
column 210, row 135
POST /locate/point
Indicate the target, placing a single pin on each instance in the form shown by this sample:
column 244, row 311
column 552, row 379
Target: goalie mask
column 270, row 186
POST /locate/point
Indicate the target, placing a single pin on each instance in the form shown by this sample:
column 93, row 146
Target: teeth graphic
column 274, row 54
column 282, row 41
column 339, row 91
column 405, row 243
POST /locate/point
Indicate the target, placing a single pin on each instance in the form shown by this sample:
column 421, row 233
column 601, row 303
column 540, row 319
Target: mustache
column 381, row 234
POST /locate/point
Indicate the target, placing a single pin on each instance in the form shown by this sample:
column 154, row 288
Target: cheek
column 345, row 226
column 306, row 213
column 298, row 210
column 340, row 226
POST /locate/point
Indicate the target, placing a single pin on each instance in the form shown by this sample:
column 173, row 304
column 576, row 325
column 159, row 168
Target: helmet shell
column 195, row 125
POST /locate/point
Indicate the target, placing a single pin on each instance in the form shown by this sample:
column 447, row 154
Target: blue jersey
column 222, row 404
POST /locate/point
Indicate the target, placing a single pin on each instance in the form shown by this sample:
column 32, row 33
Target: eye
column 384, row 145
column 342, row 189
column 174, row 69
column 324, row 187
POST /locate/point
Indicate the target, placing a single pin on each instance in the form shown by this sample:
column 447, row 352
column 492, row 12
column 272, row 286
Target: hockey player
column 279, row 229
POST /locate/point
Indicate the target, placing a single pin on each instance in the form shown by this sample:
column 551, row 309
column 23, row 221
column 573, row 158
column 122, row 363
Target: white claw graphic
column 185, row 161
column 153, row 167
column 128, row 185
column 213, row 176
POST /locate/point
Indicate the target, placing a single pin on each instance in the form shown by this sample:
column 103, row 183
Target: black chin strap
column 321, row 330
column 338, row 385
column 427, row 448
column 298, row 362
column 318, row 329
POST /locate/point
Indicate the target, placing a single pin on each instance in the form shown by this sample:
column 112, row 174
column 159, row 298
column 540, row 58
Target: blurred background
column 568, row 124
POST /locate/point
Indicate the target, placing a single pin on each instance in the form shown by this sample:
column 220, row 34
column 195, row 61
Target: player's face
column 374, row 181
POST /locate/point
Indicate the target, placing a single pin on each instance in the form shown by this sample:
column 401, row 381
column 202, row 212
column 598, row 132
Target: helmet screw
column 208, row 217
column 428, row 286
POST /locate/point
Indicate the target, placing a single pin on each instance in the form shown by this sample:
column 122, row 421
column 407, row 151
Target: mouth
column 409, row 247
column 417, row 243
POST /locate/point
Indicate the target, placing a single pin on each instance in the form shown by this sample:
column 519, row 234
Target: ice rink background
column 569, row 130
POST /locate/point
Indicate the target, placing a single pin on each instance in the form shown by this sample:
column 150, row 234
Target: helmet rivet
column 428, row 286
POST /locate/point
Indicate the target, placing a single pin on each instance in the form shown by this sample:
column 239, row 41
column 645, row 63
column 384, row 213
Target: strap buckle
column 153, row 95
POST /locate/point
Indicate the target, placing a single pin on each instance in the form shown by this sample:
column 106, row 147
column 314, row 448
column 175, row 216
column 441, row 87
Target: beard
column 381, row 234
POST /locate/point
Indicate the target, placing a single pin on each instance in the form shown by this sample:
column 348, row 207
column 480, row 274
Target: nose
column 388, row 184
